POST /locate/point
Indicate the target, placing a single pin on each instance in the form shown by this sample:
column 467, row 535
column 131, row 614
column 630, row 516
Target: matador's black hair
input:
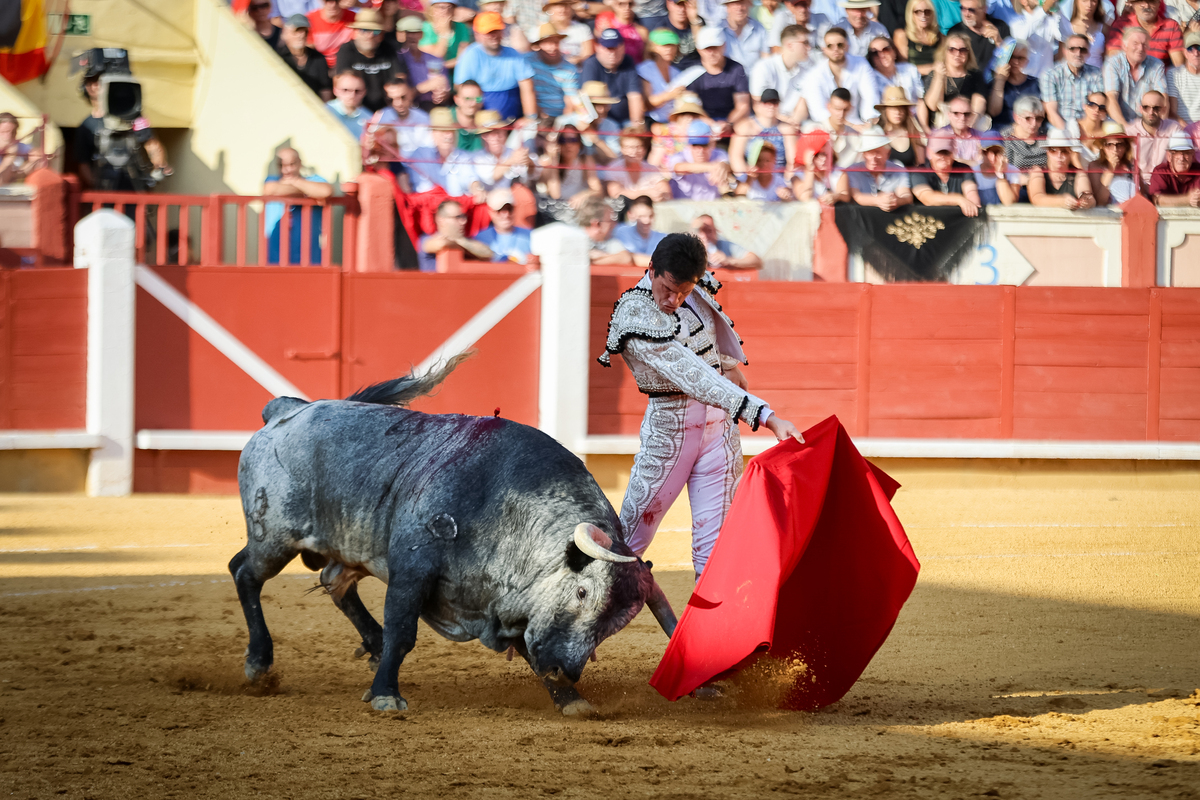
column 682, row 256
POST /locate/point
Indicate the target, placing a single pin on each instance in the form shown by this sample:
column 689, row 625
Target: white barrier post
column 565, row 324
column 104, row 246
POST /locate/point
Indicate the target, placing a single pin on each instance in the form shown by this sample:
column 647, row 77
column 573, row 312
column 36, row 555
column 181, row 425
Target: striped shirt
column 1166, row 38
column 552, row 83
column 1069, row 90
column 1118, row 78
column 1185, row 88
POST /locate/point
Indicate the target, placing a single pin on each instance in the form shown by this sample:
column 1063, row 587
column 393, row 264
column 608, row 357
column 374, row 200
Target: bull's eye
column 581, row 593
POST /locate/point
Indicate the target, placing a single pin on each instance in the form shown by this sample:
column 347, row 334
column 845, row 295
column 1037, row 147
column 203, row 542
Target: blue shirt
column 273, row 218
column 627, row 235
column 506, row 246
column 353, row 122
column 499, row 73
column 552, row 83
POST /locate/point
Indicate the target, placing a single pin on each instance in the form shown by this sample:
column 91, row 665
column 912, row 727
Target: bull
column 484, row 528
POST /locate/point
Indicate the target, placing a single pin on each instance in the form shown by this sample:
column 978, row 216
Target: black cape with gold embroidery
column 916, row 243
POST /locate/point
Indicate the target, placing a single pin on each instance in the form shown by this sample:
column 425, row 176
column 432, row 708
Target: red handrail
column 160, row 217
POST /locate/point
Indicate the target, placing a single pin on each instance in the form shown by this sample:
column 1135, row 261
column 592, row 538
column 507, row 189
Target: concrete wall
column 247, row 103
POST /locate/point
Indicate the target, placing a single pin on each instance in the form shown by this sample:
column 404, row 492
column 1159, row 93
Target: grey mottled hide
column 469, row 520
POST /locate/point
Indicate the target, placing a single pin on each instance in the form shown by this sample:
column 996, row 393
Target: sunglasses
column 962, row 51
column 1114, row 144
column 1194, row 48
column 1078, row 49
column 960, row 113
column 969, row 10
column 1151, row 108
column 1094, row 104
column 878, row 51
column 836, row 45
column 259, row 6
column 922, row 12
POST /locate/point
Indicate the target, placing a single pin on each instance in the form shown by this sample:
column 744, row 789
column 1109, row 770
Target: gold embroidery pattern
column 916, row 229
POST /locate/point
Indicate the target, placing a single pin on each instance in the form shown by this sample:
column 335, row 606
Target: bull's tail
column 402, row 391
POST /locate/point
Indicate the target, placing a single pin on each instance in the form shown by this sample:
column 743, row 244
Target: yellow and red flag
column 22, row 39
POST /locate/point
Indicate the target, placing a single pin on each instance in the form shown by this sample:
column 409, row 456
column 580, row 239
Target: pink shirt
column 1150, row 150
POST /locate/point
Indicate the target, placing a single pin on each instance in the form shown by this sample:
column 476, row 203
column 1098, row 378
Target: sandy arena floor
column 1050, row 649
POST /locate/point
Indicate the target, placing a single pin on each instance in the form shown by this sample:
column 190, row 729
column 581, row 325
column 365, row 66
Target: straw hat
column 1113, row 129
column 546, row 31
column 1056, row 138
column 490, row 120
column 687, row 103
column 367, row 20
column 441, row 117
column 409, row 24
column 1180, row 141
column 894, row 96
column 597, row 92
column 858, row 3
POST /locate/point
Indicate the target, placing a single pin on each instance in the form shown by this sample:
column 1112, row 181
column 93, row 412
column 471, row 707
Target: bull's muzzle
column 556, row 675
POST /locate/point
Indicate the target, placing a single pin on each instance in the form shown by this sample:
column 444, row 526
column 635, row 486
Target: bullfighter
column 684, row 355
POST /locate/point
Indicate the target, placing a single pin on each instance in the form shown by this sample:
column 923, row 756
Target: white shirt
column 578, row 35
column 412, row 132
column 771, row 73
column 465, row 168
column 860, row 42
column 907, row 78
column 817, row 23
column 747, row 47
column 427, row 170
column 1042, row 31
column 857, row 77
column 770, row 193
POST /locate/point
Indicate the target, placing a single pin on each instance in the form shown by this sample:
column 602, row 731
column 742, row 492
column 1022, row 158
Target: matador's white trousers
column 683, row 442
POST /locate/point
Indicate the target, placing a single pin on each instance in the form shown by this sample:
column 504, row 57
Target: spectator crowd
column 530, row 111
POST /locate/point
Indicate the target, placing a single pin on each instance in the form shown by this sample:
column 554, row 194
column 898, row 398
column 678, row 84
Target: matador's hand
column 783, row 429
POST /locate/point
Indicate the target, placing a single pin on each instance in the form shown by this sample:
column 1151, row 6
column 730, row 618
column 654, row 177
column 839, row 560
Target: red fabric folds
column 417, row 210
column 812, row 563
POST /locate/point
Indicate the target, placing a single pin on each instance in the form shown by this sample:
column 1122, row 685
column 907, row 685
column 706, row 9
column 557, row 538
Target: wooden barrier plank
column 1179, row 430
column 983, row 428
column 1180, row 301
column 973, row 352
column 937, row 403
column 1179, row 405
column 1075, row 353
column 50, row 367
column 802, row 350
column 1086, row 300
column 1081, row 406
column 1180, row 354
column 1106, row 327
column 1119, row 380
column 1075, row 428
column 890, row 377
column 764, row 377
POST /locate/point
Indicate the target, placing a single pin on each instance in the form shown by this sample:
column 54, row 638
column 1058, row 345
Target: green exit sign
column 76, row 24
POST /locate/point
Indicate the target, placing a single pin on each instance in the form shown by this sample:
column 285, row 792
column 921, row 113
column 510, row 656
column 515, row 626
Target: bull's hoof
column 389, row 704
column 580, row 709
column 255, row 672
column 708, row 693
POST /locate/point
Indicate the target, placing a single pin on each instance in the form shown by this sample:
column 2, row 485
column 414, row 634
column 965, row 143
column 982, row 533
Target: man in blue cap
column 701, row 171
column 617, row 71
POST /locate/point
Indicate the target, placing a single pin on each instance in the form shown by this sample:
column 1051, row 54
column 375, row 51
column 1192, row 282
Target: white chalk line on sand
column 90, row 547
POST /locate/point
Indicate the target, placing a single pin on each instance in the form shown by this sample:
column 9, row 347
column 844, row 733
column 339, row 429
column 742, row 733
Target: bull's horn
column 595, row 543
column 660, row 607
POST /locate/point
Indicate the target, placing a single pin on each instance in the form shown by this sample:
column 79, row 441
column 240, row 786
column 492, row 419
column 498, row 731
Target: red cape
column 811, row 563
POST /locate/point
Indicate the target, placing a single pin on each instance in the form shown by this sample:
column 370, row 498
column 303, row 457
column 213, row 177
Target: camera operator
column 109, row 151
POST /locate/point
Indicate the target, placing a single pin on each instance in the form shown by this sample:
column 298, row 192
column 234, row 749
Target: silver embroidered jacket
column 681, row 353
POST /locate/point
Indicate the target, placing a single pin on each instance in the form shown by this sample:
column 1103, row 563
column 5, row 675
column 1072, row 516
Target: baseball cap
column 664, row 36
column 755, row 150
column 769, row 96
column 698, row 133
column 499, row 198
column 298, row 21
column 488, row 22
column 545, row 31
column 610, row 38
column 1180, row 141
column 709, row 37
column 409, row 24
column 1191, row 39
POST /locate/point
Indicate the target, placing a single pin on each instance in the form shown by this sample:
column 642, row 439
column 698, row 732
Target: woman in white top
column 579, row 43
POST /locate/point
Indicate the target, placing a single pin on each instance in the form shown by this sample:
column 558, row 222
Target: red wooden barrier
column 43, row 348
column 950, row 361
